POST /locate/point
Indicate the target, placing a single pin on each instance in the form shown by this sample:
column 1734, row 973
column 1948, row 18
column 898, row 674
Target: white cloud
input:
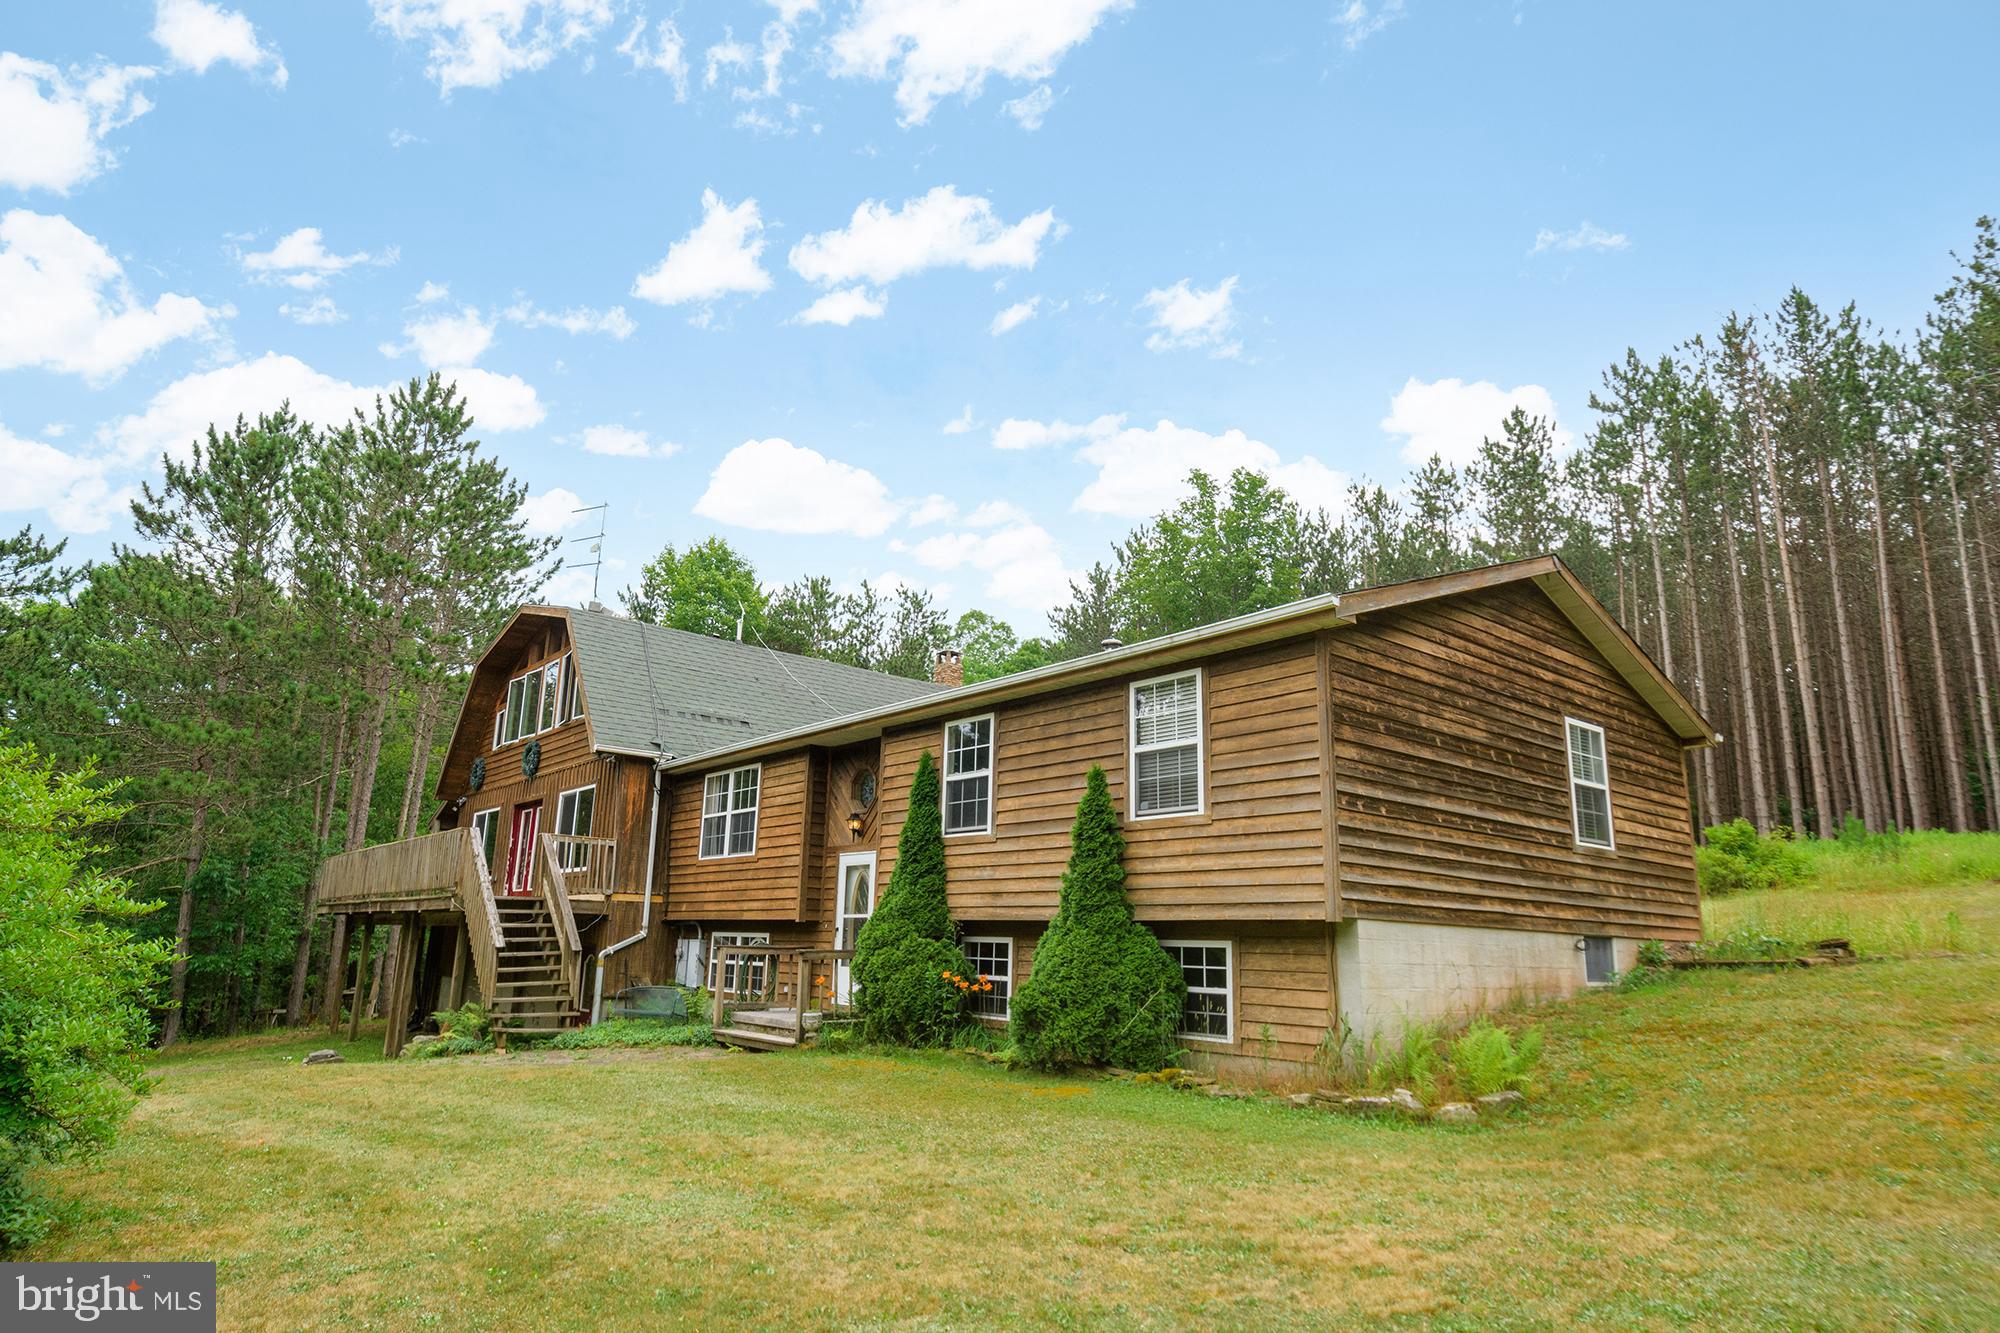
column 57, row 122
column 552, row 512
column 844, row 307
column 195, row 35
column 319, row 310
column 726, row 54
column 1449, row 417
column 624, row 442
column 69, row 307
column 960, row 424
column 1015, row 433
column 718, row 258
column 940, row 229
column 1358, row 20
column 431, row 292
column 1022, row 562
column 71, row 489
column 1014, row 316
column 665, row 53
column 933, row 509
column 300, row 259
column 1032, row 107
column 446, row 340
column 776, row 486
column 401, row 138
column 183, row 410
column 1142, row 471
column 948, row 48
column 1586, row 236
column 1188, row 317
column 576, row 319
column 478, row 43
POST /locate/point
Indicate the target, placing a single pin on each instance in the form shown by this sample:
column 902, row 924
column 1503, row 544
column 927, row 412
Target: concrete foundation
column 1394, row 973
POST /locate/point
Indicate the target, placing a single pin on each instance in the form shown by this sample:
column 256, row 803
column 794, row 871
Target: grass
column 1733, row 1148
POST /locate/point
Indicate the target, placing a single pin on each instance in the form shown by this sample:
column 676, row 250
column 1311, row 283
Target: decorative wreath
column 531, row 759
column 477, row 778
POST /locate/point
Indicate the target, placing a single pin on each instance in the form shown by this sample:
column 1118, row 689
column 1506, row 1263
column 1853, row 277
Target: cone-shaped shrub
column 1102, row 990
column 908, row 968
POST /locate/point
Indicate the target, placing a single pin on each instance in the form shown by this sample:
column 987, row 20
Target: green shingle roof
column 650, row 689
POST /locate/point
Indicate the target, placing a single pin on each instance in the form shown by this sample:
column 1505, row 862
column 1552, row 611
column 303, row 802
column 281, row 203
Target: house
column 1348, row 812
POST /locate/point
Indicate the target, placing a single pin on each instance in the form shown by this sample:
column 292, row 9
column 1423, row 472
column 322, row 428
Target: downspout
column 645, row 897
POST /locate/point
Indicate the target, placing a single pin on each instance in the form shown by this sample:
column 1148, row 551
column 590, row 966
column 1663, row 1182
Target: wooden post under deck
column 461, row 963
column 341, row 942
column 360, row 980
column 402, row 987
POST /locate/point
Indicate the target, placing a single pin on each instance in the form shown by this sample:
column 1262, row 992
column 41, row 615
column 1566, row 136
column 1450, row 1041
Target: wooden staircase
column 532, row 995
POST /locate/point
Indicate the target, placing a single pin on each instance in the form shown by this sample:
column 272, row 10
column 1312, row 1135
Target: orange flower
column 946, row 974
column 982, row 976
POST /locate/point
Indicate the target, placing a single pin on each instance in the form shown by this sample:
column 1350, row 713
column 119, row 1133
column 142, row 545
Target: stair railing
column 482, row 917
column 555, row 897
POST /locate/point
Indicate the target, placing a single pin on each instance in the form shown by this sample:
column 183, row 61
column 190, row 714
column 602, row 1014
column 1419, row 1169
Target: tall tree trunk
column 295, row 1000
column 1902, row 709
column 170, row 1027
column 1948, row 728
column 1863, row 752
column 1751, row 741
column 1787, row 746
column 1990, row 759
column 1801, row 654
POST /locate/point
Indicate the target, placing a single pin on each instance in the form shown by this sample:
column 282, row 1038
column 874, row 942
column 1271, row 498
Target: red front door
column 521, row 849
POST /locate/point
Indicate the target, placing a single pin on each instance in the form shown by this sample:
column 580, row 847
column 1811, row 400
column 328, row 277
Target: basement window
column 992, row 957
column 738, row 975
column 1166, row 746
column 729, row 813
column 1206, row 1015
column 1589, row 784
column 1600, row 963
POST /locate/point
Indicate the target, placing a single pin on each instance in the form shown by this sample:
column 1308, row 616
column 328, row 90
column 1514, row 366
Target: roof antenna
column 741, row 611
column 596, row 540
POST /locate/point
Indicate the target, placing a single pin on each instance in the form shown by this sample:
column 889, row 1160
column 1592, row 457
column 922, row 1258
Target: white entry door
column 857, row 900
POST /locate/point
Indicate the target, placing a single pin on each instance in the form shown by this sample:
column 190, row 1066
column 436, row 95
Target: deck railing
column 555, row 896
column 806, row 982
column 437, row 872
column 589, row 865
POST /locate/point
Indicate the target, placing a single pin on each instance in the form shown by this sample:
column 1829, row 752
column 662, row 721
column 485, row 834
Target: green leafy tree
column 1103, row 991
column 988, row 644
column 703, row 590
column 76, row 987
column 908, row 968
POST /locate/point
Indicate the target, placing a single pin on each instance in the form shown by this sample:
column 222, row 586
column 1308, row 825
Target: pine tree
column 1102, row 991
column 909, row 973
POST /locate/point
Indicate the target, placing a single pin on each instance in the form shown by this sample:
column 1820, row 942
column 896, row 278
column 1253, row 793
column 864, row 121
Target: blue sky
column 1078, row 246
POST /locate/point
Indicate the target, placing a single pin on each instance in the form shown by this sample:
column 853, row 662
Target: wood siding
column 531, row 642
column 767, row 885
column 1256, row 851
column 1453, row 781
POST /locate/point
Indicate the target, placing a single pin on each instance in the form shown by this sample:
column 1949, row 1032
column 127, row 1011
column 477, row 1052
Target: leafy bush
column 467, row 1022
column 1102, row 990
column 632, row 1032
column 76, row 988
column 1416, row 1062
column 1734, row 858
column 431, row 1048
column 1486, row 1058
column 907, row 960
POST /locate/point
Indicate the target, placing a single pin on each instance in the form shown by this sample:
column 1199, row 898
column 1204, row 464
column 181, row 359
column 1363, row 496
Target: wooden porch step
column 756, row 1039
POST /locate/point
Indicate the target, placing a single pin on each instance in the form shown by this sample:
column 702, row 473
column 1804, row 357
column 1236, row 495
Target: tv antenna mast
column 596, row 539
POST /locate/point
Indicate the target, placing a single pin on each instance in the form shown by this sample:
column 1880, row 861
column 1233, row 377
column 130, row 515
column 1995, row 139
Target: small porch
column 776, row 998
column 521, row 951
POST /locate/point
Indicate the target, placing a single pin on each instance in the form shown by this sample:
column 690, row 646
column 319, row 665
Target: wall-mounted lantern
column 854, row 824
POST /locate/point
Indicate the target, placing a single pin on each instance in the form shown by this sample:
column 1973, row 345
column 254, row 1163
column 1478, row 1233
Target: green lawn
column 1788, row 1148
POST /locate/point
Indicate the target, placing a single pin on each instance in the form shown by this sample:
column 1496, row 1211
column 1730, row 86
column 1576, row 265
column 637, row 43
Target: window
column 1589, row 784
column 748, row 971
column 510, row 712
column 729, row 813
column 551, row 688
column 569, row 709
column 573, row 812
column 1205, row 967
column 968, row 775
column 500, row 727
column 486, row 831
column 991, row 957
column 1600, row 964
column 1166, row 746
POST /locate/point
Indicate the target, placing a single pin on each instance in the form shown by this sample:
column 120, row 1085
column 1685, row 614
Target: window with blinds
column 1167, row 746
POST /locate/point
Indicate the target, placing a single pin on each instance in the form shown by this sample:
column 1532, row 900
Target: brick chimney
column 949, row 668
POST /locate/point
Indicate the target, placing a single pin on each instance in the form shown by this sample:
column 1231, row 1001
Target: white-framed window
column 1167, row 746
column 992, row 957
column 968, row 775
column 1589, row 784
column 1600, row 960
column 500, row 727
column 551, row 694
column 1208, row 1014
column 568, row 709
column 729, row 812
column 731, row 971
column 486, row 832
column 574, row 810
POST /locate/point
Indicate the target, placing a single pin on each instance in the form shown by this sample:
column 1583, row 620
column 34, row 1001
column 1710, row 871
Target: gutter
column 645, row 895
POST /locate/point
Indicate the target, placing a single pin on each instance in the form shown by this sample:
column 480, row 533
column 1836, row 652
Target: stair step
column 756, row 1039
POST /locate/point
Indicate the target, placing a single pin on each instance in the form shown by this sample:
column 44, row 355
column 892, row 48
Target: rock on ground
column 324, row 1057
